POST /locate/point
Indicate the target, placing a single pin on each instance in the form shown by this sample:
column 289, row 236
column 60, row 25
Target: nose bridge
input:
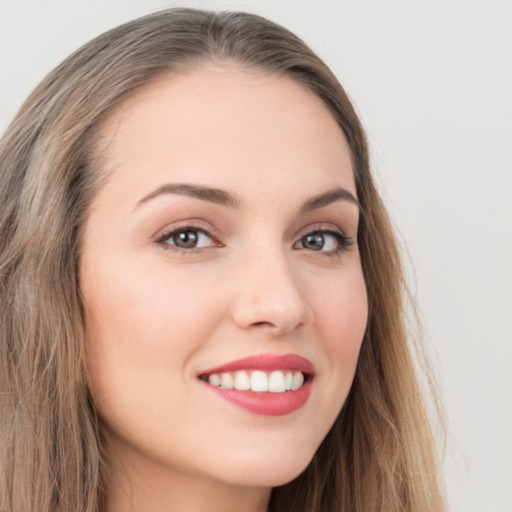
column 268, row 291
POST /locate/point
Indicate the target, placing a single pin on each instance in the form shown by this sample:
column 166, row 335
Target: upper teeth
column 277, row 381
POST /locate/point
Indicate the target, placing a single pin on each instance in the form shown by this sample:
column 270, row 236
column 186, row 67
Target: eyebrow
column 224, row 198
column 326, row 198
column 212, row 195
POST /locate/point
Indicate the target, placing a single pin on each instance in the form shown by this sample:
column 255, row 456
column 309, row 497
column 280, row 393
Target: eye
column 326, row 241
column 187, row 238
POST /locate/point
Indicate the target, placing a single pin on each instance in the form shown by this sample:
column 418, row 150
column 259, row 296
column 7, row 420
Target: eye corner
column 330, row 241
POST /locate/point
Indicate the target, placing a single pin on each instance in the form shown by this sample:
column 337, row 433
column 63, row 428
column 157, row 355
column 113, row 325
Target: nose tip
column 277, row 319
column 274, row 302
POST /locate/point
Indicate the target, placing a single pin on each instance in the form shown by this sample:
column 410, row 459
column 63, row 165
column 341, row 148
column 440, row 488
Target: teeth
column 277, row 381
column 298, row 380
column 214, row 379
column 259, row 381
column 242, row 381
column 226, row 380
column 288, row 381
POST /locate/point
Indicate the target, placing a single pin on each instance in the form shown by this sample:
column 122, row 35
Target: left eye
column 321, row 241
column 188, row 238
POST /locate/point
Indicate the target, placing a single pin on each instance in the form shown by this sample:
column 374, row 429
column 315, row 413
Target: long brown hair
column 380, row 453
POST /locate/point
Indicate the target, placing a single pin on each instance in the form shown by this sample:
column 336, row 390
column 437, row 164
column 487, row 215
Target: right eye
column 187, row 238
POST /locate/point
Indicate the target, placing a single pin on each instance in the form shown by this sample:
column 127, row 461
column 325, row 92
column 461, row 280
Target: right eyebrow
column 213, row 195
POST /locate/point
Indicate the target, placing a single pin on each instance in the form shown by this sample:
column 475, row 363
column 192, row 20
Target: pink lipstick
column 267, row 384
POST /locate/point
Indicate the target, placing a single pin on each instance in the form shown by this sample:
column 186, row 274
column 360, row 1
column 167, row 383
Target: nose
column 268, row 295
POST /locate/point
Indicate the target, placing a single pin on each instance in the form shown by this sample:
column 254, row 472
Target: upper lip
column 267, row 362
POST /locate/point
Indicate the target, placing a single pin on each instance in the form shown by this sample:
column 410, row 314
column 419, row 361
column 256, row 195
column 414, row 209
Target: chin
column 270, row 471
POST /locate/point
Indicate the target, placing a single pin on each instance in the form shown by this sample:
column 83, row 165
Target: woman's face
column 222, row 248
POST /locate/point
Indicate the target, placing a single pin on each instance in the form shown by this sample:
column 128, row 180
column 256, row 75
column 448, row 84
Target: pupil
column 314, row 241
column 186, row 239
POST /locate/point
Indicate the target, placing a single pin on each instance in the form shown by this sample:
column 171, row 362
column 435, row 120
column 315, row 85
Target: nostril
column 279, row 313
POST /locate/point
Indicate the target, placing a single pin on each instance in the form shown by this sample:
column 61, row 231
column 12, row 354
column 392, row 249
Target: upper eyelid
column 320, row 226
column 162, row 241
column 197, row 224
column 336, row 233
column 192, row 225
column 173, row 231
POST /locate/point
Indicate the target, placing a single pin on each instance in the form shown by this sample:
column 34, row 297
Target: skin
column 157, row 315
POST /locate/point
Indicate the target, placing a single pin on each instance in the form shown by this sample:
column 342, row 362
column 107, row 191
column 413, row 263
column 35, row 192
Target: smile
column 266, row 384
column 278, row 381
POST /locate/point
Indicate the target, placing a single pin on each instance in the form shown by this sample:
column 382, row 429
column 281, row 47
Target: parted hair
column 379, row 456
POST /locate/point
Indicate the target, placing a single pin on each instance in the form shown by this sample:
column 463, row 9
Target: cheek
column 152, row 306
column 342, row 312
column 143, row 329
column 341, row 316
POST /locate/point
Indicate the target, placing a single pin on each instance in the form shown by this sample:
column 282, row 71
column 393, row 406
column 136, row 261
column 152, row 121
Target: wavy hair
column 380, row 454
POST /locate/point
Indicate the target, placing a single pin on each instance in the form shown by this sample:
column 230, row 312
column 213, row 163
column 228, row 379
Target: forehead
column 226, row 127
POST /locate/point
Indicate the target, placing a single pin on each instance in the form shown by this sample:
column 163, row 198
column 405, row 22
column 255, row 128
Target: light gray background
column 433, row 84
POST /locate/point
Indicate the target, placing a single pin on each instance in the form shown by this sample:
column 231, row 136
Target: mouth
column 265, row 384
column 259, row 381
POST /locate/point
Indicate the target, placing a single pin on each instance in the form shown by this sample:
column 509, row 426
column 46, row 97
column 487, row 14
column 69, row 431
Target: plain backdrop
column 432, row 82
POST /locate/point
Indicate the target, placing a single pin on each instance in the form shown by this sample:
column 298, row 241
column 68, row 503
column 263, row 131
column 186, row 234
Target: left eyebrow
column 326, row 198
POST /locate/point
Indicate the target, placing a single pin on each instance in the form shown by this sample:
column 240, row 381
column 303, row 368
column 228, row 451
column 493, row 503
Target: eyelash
column 343, row 242
column 163, row 239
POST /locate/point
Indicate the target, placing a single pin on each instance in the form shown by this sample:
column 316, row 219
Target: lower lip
column 266, row 403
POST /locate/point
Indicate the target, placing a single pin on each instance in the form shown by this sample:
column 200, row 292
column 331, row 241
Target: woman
column 201, row 292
